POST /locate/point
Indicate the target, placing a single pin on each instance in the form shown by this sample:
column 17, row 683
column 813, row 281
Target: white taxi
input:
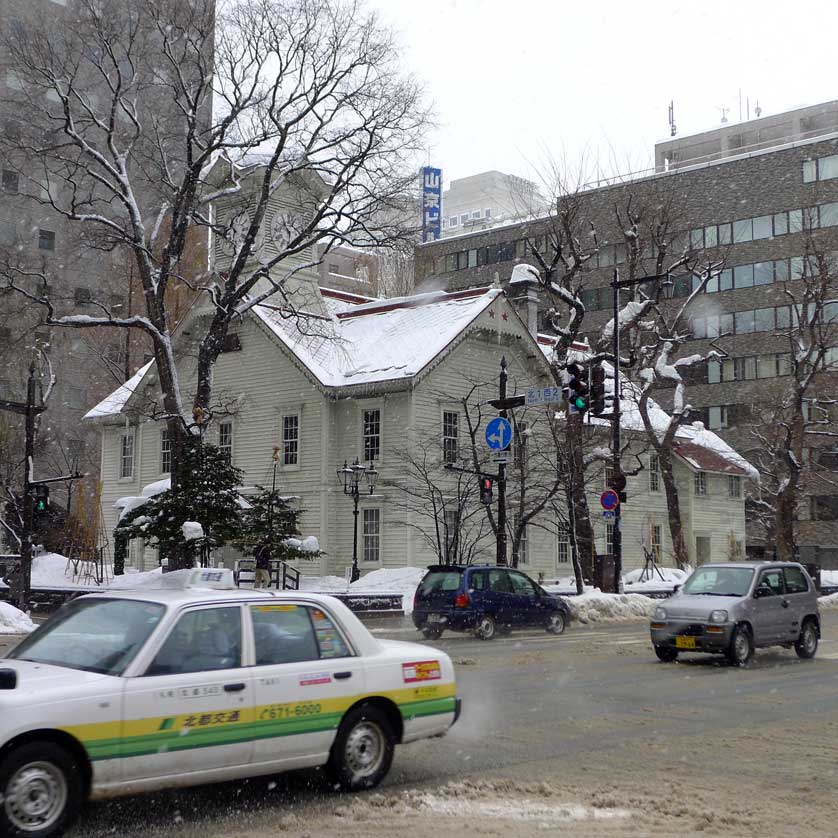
column 197, row 682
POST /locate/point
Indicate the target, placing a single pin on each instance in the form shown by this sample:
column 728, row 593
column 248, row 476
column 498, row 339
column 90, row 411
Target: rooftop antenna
column 725, row 112
column 672, row 129
column 757, row 109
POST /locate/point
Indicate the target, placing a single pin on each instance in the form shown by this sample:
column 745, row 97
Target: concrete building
column 80, row 272
column 480, row 201
column 762, row 211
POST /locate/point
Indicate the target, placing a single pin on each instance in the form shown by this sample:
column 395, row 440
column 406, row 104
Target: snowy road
column 586, row 734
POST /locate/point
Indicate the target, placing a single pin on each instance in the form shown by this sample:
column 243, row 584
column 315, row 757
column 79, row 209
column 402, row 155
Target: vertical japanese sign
column 431, row 204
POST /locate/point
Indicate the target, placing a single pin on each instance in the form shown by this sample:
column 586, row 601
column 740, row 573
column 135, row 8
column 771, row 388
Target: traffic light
column 577, row 388
column 486, row 484
column 618, row 484
column 41, row 498
column 598, row 390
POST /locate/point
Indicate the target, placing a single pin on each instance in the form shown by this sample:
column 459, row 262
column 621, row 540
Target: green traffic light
column 580, row 403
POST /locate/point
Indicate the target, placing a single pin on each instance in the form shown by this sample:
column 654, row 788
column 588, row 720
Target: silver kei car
column 732, row 608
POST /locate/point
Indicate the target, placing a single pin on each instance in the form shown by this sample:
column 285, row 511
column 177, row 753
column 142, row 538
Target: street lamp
column 616, row 284
column 350, row 477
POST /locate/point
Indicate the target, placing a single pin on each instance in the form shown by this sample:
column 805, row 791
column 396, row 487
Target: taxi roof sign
column 214, row 578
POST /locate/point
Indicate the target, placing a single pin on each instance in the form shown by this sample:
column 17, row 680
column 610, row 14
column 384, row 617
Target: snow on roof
column 381, row 340
column 112, row 405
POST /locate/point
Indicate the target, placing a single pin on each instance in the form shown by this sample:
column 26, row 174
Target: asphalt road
column 587, row 733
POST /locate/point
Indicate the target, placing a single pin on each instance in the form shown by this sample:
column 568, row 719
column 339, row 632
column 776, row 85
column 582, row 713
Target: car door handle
column 785, row 603
column 233, row 688
column 342, row 676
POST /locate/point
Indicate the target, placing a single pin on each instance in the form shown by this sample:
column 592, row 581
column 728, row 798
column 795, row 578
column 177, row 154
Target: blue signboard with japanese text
column 431, row 204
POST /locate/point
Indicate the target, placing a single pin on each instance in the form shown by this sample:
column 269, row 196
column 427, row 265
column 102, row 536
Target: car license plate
column 685, row 642
column 435, row 618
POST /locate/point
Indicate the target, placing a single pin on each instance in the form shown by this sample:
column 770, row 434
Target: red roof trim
column 706, row 459
column 419, row 300
column 346, row 296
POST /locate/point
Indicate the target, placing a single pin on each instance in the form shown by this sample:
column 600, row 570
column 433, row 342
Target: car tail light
column 462, row 601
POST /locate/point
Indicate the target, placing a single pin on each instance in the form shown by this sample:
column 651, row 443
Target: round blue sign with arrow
column 498, row 434
column 609, row 500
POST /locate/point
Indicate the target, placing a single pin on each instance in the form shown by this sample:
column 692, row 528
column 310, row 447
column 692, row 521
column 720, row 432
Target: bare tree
column 192, row 110
column 797, row 413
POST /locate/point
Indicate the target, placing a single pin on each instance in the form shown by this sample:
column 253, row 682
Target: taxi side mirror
column 676, row 588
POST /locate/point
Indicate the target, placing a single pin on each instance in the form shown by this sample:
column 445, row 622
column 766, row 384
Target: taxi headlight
column 660, row 613
column 719, row 616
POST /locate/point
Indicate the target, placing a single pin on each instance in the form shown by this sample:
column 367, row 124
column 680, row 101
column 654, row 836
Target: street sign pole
column 501, row 534
column 615, row 441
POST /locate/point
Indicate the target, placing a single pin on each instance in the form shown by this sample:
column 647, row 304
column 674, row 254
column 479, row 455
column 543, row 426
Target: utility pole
column 501, row 536
column 617, row 539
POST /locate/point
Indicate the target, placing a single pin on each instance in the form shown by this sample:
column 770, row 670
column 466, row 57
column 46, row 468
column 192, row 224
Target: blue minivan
column 484, row 599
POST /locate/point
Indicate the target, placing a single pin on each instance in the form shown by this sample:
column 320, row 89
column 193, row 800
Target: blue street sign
column 609, row 500
column 498, row 434
column 431, row 204
column 609, row 514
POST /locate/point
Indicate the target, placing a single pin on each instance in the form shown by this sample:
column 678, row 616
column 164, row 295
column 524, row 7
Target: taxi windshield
column 96, row 635
column 719, row 581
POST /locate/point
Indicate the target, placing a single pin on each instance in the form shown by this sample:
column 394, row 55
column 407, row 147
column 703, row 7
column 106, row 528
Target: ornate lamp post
column 350, row 477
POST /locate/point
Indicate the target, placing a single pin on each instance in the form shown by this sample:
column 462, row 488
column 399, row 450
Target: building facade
column 765, row 214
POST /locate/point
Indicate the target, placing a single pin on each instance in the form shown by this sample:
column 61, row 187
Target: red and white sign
column 421, row 671
column 312, row 678
column 609, row 500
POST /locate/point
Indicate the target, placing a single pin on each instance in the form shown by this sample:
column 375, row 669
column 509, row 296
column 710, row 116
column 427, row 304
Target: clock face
column 285, row 227
column 235, row 233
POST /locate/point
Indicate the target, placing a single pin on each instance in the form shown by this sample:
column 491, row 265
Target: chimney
column 522, row 291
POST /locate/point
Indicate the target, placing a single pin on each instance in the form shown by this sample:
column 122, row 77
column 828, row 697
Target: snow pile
column 390, row 580
column 640, row 580
column 829, row 577
column 192, row 530
column 14, row 621
column 830, row 601
column 596, row 607
column 51, row 570
column 132, row 580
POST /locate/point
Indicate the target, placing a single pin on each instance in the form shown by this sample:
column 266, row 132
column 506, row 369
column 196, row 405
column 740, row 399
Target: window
column 829, row 215
column 824, row 168
column 742, row 230
column 76, row 397
column 521, row 585
column 744, row 322
column 290, row 440
column 734, row 486
column 796, row 582
column 656, row 546
column 810, row 171
column 450, row 436
column 475, row 214
column 717, row 417
column 463, row 218
column 563, row 545
column 654, row 472
column 763, row 273
column 165, row 451
column 82, row 295
column 225, row 440
column 7, row 234
column 781, row 223
column 11, row 181
column 293, row 633
column 700, row 483
column 372, row 435
column 126, row 458
column 743, row 276
column 609, row 539
column 521, row 434
column 453, row 221
column 523, row 544
column 46, row 240
column 372, row 535
column 334, row 268
column 487, row 213
column 762, row 227
column 451, row 522
column 763, row 319
column 202, row 641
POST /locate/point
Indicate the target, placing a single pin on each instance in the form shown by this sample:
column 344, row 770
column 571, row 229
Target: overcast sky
column 514, row 82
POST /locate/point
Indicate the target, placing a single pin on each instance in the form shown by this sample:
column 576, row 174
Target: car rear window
column 439, row 581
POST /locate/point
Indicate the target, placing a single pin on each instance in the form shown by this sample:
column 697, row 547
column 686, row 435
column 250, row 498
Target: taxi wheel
column 807, row 644
column 431, row 632
column 557, row 622
column 741, row 648
column 41, row 791
column 486, row 627
column 363, row 749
